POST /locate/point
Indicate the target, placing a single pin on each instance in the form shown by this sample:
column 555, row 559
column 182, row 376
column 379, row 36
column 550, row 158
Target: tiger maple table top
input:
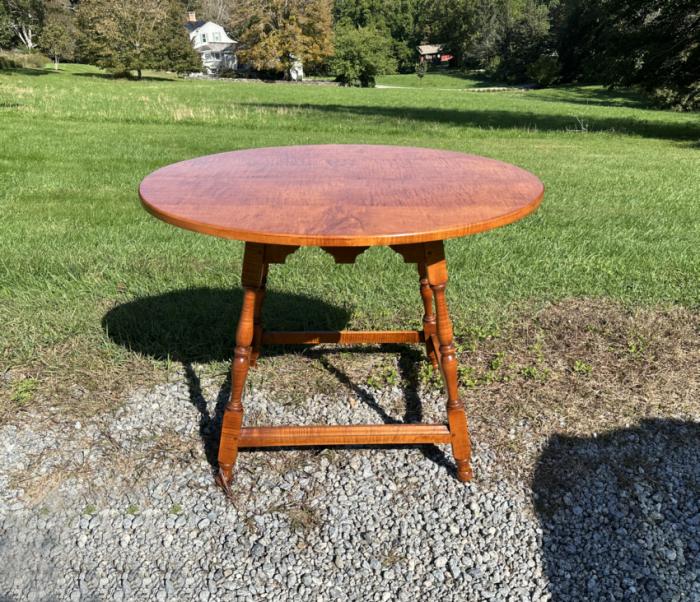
column 340, row 195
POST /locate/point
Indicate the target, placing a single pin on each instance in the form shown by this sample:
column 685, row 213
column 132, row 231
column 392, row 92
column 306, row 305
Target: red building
column 432, row 53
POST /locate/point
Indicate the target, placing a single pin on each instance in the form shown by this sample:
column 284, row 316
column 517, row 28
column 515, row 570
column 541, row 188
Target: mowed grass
column 437, row 78
column 90, row 284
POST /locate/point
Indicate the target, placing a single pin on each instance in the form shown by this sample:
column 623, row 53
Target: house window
column 217, row 36
column 204, row 38
column 215, row 55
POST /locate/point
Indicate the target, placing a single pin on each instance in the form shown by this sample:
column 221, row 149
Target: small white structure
column 213, row 45
column 296, row 71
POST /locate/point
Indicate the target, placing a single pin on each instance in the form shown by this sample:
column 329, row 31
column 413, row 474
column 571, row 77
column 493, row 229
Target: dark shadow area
column 620, row 513
column 198, row 325
column 143, row 78
column 26, row 71
column 499, row 119
column 601, row 97
column 209, row 422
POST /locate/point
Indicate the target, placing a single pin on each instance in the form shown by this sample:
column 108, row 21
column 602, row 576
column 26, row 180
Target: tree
column 120, row 35
column 524, row 42
column 273, row 34
column 581, row 31
column 493, row 20
column 132, row 35
column 454, row 24
column 57, row 37
column 421, row 70
column 401, row 18
column 657, row 47
column 359, row 13
column 361, row 53
column 653, row 44
column 7, row 34
column 25, row 18
column 174, row 52
column 218, row 11
column 396, row 19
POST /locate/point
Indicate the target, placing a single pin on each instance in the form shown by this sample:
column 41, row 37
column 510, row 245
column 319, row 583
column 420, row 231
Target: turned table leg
column 257, row 318
column 252, row 281
column 457, row 418
column 437, row 334
column 429, row 328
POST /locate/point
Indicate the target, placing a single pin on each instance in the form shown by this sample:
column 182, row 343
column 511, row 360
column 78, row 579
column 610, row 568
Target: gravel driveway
column 124, row 508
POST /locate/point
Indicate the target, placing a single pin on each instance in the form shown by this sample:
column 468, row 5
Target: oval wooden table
column 344, row 199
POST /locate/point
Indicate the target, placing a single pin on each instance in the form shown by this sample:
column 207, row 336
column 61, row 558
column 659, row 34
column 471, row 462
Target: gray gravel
column 124, row 508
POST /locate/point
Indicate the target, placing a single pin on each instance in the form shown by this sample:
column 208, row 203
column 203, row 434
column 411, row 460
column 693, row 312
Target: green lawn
column 437, row 79
column 619, row 219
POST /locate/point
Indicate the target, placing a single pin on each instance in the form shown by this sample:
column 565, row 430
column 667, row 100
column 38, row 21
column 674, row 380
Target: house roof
column 192, row 25
column 214, row 46
column 193, row 28
column 429, row 48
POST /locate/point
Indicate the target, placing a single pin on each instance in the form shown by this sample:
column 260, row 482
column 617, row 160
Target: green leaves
column 361, row 54
column 273, row 34
column 132, row 35
column 650, row 43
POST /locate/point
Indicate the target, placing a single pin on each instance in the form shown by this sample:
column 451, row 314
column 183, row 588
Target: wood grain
column 257, row 318
column 344, row 199
column 341, row 337
column 371, row 434
column 345, row 254
column 436, row 334
column 429, row 324
column 340, row 195
column 436, row 269
column 252, row 280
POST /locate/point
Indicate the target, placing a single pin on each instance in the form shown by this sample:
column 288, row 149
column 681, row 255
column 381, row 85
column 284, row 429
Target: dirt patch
column 74, row 382
column 581, row 367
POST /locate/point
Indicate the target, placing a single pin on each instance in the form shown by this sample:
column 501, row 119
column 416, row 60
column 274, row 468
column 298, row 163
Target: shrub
column 22, row 60
column 678, row 99
column 544, row 71
column 360, row 55
column 7, row 61
column 523, row 43
column 34, row 60
column 227, row 72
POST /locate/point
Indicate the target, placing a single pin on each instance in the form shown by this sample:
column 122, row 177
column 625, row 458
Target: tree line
column 123, row 36
column 651, row 44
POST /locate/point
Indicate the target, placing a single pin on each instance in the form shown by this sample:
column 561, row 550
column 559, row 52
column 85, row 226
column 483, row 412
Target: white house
column 212, row 44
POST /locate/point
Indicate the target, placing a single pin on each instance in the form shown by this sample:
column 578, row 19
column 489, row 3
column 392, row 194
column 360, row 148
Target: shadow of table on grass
column 620, row 513
column 198, row 326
